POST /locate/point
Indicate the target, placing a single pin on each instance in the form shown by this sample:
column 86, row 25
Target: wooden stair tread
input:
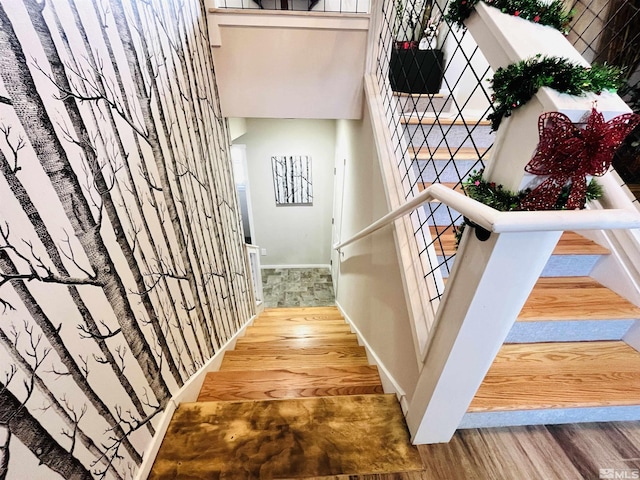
column 293, row 438
column 267, row 360
column 338, row 320
column 573, row 298
column 426, row 120
column 299, row 311
column 291, row 382
column 560, row 375
column 452, row 185
column 570, row 243
column 461, row 153
column 278, row 342
column 329, row 337
column 299, row 330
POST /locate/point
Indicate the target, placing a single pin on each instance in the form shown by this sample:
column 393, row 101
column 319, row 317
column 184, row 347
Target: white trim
column 188, row 393
column 311, row 265
column 389, row 383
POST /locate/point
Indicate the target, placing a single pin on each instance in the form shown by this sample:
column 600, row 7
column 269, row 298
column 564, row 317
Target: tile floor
column 297, row 287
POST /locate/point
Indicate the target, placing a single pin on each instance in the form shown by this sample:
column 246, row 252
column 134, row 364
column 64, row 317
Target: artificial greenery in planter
column 416, row 64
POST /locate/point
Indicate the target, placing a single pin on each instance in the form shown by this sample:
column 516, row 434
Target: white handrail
column 503, row 222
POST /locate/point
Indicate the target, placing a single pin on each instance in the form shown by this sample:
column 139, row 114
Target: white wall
column 292, row 235
column 369, row 285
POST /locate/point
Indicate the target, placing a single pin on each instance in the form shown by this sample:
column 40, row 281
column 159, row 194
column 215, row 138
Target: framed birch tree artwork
column 292, row 179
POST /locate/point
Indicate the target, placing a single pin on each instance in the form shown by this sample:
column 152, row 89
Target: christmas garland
column 516, row 84
column 498, row 198
column 552, row 14
column 503, row 200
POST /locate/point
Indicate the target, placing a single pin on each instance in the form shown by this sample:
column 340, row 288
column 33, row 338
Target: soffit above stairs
column 272, row 64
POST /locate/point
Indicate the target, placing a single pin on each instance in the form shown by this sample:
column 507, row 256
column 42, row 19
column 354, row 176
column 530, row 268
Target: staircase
column 564, row 359
column 295, row 398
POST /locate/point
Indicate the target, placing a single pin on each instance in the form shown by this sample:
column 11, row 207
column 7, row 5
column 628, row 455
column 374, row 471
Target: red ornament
column 567, row 154
column 536, row 18
column 517, row 13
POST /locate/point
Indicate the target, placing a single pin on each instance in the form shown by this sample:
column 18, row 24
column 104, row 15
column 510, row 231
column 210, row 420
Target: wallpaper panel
column 122, row 264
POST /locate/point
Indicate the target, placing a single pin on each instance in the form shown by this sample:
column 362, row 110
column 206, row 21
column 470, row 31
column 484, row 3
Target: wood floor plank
column 560, row 375
column 568, row 298
column 290, row 383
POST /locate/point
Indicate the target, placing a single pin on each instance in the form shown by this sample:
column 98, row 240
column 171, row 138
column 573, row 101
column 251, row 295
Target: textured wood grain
column 270, row 359
column 454, row 186
column 462, row 153
column 287, row 439
column 290, row 383
column 555, row 452
column 282, row 341
column 570, row 243
column 298, row 329
column 310, row 312
column 566, row 298
column 305, row 320
column 560, row 375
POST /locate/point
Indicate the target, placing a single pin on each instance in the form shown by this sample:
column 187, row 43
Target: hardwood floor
column 554, row 452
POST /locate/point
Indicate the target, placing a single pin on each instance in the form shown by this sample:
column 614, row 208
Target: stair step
column 427, row 120
column 260, row 321
column 309, row 312
column 293, row 438
column 274, row 359
column 570, row 243
column 560, row 375
column 298, row 330
column 291, row 382
column 452, row 185
column 257, row 342
column 575, row 298
column 462, row 153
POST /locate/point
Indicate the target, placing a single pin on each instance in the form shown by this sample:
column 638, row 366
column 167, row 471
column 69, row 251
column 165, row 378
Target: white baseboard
column 389, row 383
column 310, row 265
column 188, row 393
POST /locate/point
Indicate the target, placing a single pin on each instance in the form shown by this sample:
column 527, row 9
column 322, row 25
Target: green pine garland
column 516, row 84
column 498, row 198
column 551, row 14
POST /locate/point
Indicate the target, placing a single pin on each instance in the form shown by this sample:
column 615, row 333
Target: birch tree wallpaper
column 122, row 264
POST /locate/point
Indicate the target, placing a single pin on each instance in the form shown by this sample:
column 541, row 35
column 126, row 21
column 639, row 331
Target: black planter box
column 416, row 71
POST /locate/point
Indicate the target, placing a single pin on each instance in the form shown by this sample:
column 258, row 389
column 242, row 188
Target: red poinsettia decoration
column 568, row 154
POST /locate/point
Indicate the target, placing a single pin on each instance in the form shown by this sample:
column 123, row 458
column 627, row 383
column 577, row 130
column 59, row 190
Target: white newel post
column 481, row 302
